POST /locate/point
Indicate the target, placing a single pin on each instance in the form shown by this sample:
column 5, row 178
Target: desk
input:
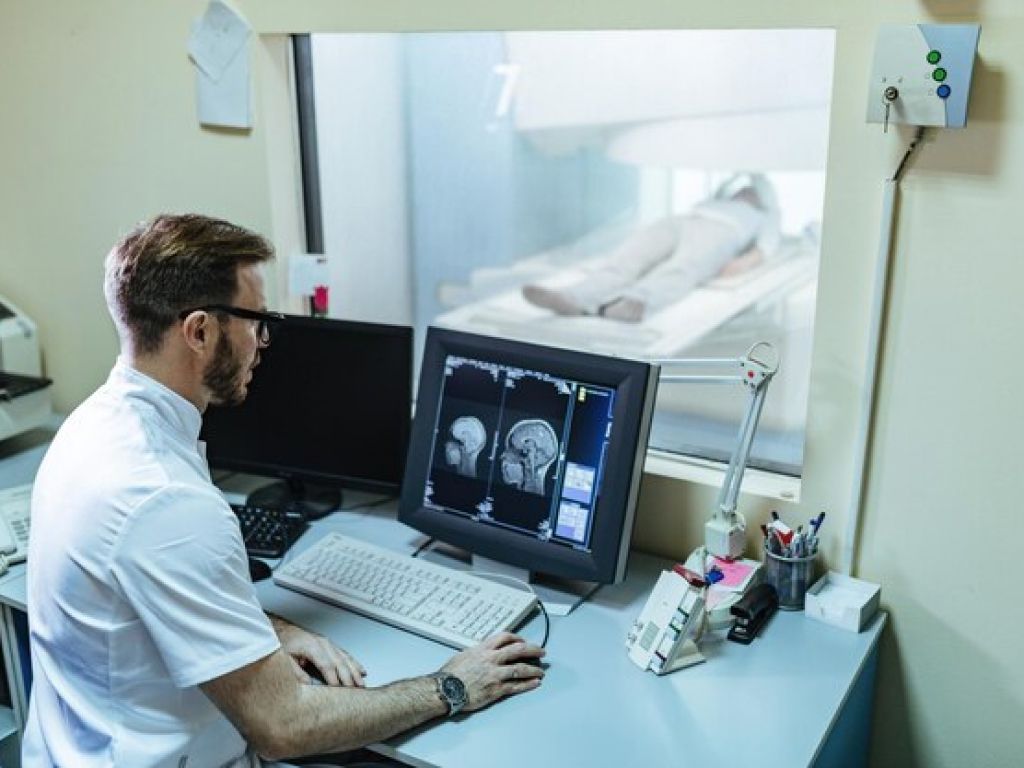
column 801, row 694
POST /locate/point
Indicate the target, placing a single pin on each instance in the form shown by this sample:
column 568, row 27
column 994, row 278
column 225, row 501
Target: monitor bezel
column 291, row 473
column 635, row 383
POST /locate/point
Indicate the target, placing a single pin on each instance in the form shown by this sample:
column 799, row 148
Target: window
column 643, row 193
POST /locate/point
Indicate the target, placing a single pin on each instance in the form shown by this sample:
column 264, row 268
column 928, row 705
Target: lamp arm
column 725, row 532
column 733, row 480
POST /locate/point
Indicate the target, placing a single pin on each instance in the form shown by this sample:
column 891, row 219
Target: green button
column 939, row 74
column 934, row 57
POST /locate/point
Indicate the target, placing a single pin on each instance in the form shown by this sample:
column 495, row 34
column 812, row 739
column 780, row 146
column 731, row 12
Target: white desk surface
column 772, row 703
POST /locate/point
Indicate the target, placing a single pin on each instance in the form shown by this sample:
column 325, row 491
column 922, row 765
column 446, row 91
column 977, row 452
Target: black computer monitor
column 328, row 407
column 528, row 455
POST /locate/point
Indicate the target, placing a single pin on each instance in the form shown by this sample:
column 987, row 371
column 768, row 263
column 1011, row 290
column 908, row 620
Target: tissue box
column 843, row 601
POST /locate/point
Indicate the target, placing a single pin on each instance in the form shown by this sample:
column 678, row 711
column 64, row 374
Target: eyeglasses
column 263, row 319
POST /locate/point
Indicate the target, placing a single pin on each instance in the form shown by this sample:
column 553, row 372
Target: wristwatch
column 451, row 691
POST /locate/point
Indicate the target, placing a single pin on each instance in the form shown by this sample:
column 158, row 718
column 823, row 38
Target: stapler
column 752, row 611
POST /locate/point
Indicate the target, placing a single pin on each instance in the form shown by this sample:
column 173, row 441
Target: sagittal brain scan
column 530, row 448
column 466, row 439
column 519, row 449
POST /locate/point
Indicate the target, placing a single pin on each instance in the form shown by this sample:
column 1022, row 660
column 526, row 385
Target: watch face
column 453, row 690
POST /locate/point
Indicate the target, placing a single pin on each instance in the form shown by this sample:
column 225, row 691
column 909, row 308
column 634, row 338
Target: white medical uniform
column 138, row 589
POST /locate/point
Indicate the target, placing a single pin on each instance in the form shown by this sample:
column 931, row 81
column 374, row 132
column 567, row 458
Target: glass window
column 643, row 193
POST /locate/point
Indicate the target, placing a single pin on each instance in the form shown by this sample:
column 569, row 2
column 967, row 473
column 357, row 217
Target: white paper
column 225, row 102
column 305, row 272
column 217, row 38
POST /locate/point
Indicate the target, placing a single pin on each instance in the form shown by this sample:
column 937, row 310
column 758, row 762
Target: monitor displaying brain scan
column 518, row 448
column 528, row 455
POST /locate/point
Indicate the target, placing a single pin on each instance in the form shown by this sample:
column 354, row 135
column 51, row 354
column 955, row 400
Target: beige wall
column 98, row 131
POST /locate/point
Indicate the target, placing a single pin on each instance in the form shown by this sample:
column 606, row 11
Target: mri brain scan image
column 530, row 448
column 466, row 438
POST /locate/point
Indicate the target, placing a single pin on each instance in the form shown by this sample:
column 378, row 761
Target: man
column 726, row 235
column 148, row 645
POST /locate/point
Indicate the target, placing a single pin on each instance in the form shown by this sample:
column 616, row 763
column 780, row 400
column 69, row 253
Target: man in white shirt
column 149, row 647
column 727, row 234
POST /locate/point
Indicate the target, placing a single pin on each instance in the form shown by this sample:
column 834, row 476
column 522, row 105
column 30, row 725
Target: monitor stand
column 560, row 596
column 315, row 501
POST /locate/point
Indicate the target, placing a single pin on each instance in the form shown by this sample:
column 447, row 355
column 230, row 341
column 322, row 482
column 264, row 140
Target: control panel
column 922, row 74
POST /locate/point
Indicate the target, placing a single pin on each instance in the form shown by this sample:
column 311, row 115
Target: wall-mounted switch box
column 922, row 74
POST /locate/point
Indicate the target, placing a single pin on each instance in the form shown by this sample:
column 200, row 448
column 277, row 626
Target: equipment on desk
column 663, row 638
column 529, row 458
column 329, row 404
column 452, row 607
column 24, row 393
column 15, row 523
column 725, row 532
column 752, row 611
column 269, row 531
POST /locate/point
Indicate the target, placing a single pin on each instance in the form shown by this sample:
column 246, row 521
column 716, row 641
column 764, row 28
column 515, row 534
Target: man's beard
column 223, row 376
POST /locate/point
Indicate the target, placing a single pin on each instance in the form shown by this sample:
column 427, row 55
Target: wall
column 98, row 131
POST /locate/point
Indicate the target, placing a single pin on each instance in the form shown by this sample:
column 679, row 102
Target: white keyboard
column 446, row 605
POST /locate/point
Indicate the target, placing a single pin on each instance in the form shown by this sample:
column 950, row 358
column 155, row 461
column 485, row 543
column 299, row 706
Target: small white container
column 843, row 601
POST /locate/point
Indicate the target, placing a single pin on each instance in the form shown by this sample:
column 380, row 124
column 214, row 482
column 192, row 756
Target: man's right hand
column 496, row 668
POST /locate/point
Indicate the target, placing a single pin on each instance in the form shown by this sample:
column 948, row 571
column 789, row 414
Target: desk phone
column 14, row 523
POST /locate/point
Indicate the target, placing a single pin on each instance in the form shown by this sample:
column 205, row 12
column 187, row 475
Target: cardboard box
column 843, row 601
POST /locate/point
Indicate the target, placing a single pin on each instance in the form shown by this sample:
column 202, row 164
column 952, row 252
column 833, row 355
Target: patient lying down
column 727, row 234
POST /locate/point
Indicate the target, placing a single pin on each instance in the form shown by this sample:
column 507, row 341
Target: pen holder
column 791, row 576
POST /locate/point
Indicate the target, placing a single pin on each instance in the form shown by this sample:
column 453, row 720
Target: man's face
column 237, row 353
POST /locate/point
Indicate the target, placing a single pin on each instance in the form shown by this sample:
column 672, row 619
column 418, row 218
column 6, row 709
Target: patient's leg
column 745, row 262
column 637, row 256
column 705, row 247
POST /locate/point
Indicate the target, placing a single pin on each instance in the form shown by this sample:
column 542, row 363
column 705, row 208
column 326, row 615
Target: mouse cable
column 530, row 589
column 488, row 574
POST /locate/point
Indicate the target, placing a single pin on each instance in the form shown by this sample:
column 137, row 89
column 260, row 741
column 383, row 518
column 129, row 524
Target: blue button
column 943, row 91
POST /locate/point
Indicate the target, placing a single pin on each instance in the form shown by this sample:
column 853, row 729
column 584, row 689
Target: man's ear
column 197, row 331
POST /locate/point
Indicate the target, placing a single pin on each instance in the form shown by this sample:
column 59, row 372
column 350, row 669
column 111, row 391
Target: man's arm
column 281, row 717
column 308, row 649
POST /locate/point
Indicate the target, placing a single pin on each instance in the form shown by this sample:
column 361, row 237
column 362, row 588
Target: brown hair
column 174, row 263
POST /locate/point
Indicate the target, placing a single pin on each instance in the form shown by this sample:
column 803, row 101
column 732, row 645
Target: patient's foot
column 557, row 301
column 624, row 309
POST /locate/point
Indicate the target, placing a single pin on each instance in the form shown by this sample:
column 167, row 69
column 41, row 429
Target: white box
column 843, row 601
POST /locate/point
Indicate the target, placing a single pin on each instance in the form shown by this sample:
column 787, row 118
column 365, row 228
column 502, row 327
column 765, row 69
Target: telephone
column 14, row 525
column 660, row 639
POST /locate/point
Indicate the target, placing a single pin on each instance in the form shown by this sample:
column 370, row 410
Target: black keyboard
column 14, row 385
column 269, row 531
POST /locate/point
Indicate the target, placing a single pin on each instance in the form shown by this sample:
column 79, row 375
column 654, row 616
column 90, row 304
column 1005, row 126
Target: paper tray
column 843, row 601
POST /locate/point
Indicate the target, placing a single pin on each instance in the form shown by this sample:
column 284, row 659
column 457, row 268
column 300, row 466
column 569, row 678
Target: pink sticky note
column 733, row 573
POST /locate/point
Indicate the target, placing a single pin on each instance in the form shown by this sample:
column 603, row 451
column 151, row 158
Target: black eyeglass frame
column 265, row 319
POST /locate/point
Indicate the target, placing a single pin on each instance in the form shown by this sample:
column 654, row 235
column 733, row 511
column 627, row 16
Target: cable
column 530, row 589
column 490, row 574
column 918, row 135
column 422, row 547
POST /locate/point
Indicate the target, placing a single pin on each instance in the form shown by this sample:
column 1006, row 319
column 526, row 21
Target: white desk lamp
column 725, row 532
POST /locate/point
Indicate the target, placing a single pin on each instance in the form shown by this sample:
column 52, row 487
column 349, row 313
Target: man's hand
column 335, row 666
column 496, row 668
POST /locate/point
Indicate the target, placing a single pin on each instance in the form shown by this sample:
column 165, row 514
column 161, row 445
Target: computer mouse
column 258, row 570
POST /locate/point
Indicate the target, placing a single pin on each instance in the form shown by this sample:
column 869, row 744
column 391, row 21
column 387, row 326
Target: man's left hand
column 306, row 649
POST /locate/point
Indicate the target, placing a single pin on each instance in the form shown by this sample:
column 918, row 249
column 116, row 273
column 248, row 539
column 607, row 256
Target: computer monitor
column 528, row 455
column 328, row 407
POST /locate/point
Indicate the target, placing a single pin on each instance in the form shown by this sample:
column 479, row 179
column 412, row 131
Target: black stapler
column 752, row 611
